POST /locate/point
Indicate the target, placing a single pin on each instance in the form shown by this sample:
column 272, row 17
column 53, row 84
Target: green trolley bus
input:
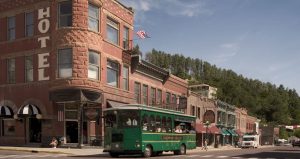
column 140, row 129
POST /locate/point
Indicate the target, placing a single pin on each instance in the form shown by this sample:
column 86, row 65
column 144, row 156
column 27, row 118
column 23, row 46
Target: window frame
column 97, row 66
column 159, row 97
column 145, row 94
column 117, row 71
column 11, row 71
column 30, row 25
column 152, row 96
column 125, row 38
column 137, row 92
column 11, row 29
column 29, row 69
column 125, row 77
column 97, row 19
column 113, row 24
column 59, row 64
column 64, row 15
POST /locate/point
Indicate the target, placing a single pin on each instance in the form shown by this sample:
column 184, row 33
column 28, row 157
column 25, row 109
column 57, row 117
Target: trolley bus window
column 110, row 119
column 152, row 123
column 169, row 125
column 145, row 122
column 128, row 118
column 158, row 123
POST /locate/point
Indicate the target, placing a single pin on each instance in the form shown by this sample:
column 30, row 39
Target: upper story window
column 112, row 31
column 126, row 38
column 11, row 28
column 112, row 73
column 137, row 92
column 29, row 24
column 198, row 112
column 65, row 63
column 152, row 96
column 145, row 94
column 65, row 14
column 174, row 99
column 159, row 97
column 11, row 70
column 168, row 98
column 94, row 65
column 28, row 69
column 93, row 20
column 192, row 110
column 125, row 78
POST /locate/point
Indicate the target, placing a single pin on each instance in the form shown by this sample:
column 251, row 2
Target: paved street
column 283, row 152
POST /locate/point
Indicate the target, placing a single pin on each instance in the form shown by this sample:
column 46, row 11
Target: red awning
column 200, row 128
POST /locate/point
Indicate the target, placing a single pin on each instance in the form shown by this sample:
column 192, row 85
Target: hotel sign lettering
column 43, row 27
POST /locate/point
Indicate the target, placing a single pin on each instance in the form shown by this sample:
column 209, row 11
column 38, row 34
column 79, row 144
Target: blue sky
column 259, row 39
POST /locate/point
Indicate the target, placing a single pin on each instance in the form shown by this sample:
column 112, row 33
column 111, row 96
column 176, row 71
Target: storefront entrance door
column 35, row 130
column 72, row 131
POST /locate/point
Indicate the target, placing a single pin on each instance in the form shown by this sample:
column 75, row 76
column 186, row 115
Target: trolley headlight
column 137, row 145
column 117, row 146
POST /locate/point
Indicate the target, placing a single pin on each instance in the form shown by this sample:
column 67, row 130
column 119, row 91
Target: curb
column 33, row 150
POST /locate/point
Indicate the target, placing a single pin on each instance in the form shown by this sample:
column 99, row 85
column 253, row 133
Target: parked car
column 296, row 143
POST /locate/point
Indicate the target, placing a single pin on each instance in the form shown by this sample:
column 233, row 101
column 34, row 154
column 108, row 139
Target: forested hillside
column 271, row 103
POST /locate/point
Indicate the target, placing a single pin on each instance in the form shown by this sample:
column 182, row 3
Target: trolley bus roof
column 148, row 108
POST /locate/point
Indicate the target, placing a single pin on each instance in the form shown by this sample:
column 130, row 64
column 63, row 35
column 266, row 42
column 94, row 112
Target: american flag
column 60, row 113
column 142, row 34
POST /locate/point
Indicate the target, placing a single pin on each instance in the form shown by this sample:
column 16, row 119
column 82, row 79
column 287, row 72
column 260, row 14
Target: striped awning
column 29, row 110
column 6, row 112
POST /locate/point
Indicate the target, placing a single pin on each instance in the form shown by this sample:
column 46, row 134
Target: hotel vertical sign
column 43, row 27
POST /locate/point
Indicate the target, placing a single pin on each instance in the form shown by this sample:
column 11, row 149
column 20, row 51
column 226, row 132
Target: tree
column 297, row 133
column 283, row 134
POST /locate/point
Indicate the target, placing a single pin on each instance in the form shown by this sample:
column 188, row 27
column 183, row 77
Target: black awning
column 29, row 110
column 75, row 95
column 113, row 104
column 6, row 112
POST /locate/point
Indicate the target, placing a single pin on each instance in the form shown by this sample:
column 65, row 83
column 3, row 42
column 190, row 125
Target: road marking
column 221, row 156
column 236, row 157
column 24, row 156
column 8, row 156
column 208, row 156
column 192, row 156
column 41, row 156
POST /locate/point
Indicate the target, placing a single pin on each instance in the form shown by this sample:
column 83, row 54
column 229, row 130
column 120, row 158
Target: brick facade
column 80, row 40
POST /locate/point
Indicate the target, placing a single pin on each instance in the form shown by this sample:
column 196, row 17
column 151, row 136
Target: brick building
column 63, row 61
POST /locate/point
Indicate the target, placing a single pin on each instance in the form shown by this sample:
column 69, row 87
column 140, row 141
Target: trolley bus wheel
column 181, row 151
column 148, row 151
column 113, row 154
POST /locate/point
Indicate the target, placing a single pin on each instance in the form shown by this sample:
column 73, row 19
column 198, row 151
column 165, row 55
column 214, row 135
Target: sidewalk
column 68, row 151
column 97, row 151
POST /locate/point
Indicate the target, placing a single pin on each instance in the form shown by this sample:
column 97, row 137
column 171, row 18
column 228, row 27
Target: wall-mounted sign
column 43, row 27
column 91, row 114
